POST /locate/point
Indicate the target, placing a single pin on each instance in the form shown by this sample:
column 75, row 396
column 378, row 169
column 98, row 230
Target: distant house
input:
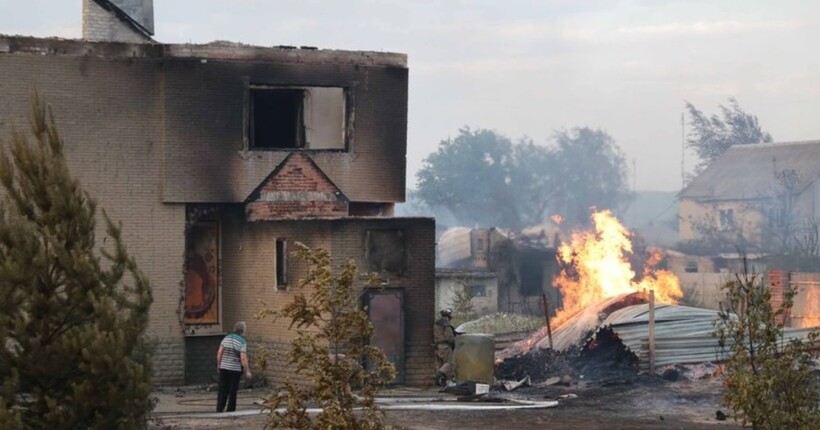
column 760, row 197
column 481, row 285
column 524, row 264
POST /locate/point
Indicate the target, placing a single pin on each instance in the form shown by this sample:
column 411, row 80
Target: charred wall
column 148, row 132
column 208, row 158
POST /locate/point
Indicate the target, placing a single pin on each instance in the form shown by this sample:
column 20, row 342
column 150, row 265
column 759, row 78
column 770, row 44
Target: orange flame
column 595, row 267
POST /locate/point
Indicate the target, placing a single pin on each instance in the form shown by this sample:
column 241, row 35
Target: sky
column 528, row 68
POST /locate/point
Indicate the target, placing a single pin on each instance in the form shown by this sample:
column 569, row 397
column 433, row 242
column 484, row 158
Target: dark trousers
column 228, row 385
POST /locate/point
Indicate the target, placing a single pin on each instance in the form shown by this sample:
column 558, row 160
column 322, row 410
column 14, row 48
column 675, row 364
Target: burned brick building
column 516, row 268
column 217, row 158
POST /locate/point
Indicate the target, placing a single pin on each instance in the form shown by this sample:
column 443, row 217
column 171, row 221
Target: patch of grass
column 500, row 323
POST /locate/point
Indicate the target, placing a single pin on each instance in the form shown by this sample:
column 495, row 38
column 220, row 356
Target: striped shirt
column 232, row 345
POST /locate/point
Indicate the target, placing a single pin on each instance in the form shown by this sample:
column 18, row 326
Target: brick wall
column 200, row 359
column 296, row 189
column 348, row 241
column 103, row 25
column 778, row 281
column 805, row 311
column 107, row 113
column 169, row 361
column 205, row 105
column 248, row 269
column 142, row 132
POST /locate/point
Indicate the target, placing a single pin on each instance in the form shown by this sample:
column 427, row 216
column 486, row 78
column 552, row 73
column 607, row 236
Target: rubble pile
column 602, row 360
column 538, row 364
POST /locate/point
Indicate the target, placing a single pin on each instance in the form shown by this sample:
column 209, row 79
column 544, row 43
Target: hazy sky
column 527, row 68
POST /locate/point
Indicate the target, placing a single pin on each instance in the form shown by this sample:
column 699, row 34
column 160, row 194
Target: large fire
column 595, row 267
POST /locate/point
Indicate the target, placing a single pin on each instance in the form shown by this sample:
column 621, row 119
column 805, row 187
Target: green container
column 475, row 358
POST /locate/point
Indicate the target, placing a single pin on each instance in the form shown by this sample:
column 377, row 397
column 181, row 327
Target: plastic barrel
column 474, row 358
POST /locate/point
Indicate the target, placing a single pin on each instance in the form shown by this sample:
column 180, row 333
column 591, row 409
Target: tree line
column 484, row 178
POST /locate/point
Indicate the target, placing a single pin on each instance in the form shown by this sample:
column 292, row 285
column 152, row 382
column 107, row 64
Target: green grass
column 499, row 323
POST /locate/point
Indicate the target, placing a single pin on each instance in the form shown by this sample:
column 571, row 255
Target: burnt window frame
column 348, row 96
column 402, row 239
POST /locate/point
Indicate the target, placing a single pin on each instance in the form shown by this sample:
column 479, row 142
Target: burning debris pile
column 602, row 361
column 596, row 266
column 583, row 350
column 596, row 279
column 596, row 276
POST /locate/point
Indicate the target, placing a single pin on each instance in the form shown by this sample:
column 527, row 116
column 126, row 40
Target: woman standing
column 232, row 360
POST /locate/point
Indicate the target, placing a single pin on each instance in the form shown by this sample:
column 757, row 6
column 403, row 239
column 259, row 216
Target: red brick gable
column 297, row 188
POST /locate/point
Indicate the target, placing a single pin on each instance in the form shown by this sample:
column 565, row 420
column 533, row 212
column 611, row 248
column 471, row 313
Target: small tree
column 769, row 381
column 330, row 352
column 72, row 353
column 463, row 295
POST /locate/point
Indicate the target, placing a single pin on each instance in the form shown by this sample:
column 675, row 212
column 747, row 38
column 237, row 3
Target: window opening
column 691, row 267
column 478, row 290
column 292, row 118
column 727, row 219
column 281, row 263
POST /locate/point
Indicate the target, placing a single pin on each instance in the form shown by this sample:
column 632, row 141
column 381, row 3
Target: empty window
column 296, row 118
column 385, row 251
column 727, row 219
column 478, row 290
column 691, row 267
column 281, row 263
column 532, row 277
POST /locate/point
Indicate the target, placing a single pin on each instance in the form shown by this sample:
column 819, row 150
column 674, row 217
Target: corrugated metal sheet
column 682, row 333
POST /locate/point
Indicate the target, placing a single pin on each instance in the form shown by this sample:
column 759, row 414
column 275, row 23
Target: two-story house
column 217, row 158
column 758, row 197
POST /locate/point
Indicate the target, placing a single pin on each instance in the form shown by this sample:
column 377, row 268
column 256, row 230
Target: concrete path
column 200, row 402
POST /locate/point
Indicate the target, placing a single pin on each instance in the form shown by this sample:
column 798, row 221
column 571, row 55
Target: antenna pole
column 682, row 152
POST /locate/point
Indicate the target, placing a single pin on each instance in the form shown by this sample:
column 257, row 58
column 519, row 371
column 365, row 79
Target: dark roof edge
column 219, row 50
column 775, row 144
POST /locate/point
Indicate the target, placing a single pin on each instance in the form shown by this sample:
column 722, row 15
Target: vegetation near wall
column 72, row 316
column 769, row 382
column 331, row 354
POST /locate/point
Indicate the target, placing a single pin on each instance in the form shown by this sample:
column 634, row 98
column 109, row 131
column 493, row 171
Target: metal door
column 385, row 308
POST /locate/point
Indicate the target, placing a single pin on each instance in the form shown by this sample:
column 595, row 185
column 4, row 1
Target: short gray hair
column 239, row 327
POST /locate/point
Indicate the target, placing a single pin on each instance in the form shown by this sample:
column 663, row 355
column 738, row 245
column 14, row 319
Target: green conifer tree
column 72, row 322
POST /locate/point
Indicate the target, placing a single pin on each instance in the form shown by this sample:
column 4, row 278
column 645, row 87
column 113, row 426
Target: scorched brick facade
column 186, row 146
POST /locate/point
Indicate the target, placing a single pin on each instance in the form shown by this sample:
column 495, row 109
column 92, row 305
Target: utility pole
column 651, row 331
column 682, row 151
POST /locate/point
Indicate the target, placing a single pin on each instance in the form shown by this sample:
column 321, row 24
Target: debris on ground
column 512, row 385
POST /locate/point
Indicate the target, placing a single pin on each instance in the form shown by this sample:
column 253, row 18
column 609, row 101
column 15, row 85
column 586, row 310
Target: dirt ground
column 648, row 403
